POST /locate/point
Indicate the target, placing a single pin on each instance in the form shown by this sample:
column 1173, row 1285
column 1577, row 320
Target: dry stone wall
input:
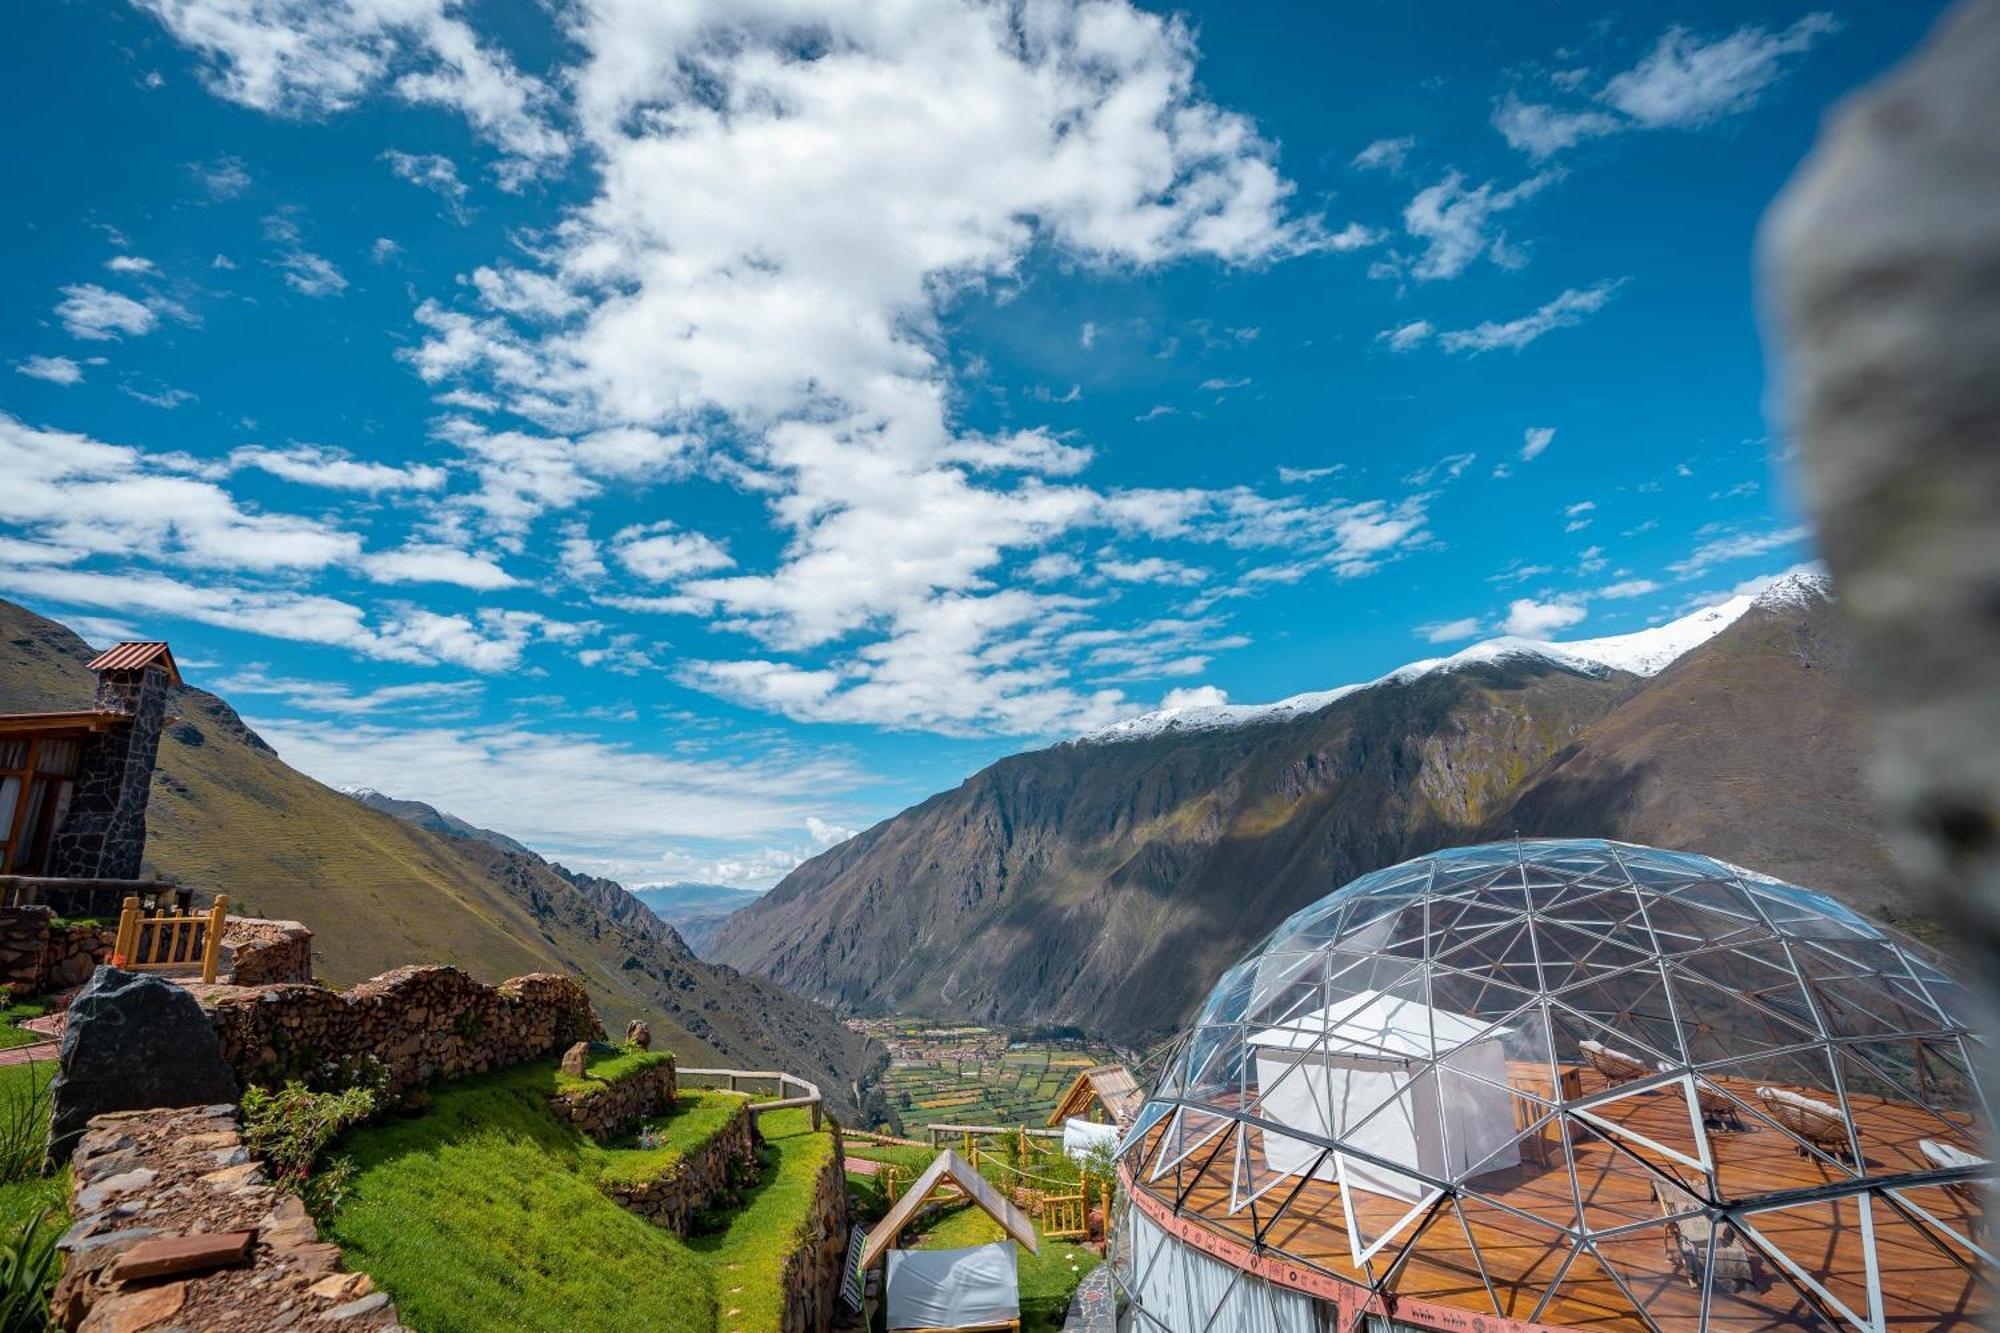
column 697, row 1181
column 261, row 952
column 39, row 954
column 145, row 1176
column 421, row 1022
column 811, row 1277
column 606, row 1110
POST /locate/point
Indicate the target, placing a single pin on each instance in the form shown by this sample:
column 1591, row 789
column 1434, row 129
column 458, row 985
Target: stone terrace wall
column 697, row 1181
column 261, row 952
column 422, row 1022
column 38, row 955
column 148, row 1175
column 811, row 1279
column 606, row 1110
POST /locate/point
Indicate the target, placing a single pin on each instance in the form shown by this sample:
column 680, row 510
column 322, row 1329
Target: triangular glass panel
column 1955, row 1215
column 1380, row 1203
column 1443, row 1266
column 1632, row 1004
column 1657, row 1120
column 1773, row 1302
column 1571, row 955
column 1891, row 1119
column 1795, row 1132
column 1230, row 995
column 1588, row 1297
column 1476, row 995
column 1592, row 1057
column 1205, row 1177
column 1928, row 1280
column 1307, row 1222
column 1505, row 953
column 1190, row 1131
column 1217, row 1067
column 1151, row 1114
column 1266, row 1159
column 1404, row 1131
column 1721, row 1024
column 1288, row 986
column 1662, row 1267
column 1518, row 1255
column 1615, row 1189
column 1539, row 1185
column 1825, row 1246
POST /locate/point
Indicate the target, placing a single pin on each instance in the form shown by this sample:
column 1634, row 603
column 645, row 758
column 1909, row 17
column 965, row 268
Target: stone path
column 1094, row 1308
column 20, row 1055
column 861, row 1166
column 144, row 1175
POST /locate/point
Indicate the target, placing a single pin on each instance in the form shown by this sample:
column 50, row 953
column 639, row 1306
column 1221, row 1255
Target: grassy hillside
column 227, row 815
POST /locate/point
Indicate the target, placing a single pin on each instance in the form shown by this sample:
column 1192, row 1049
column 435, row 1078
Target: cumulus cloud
column 306, row 57
column 54, row 369
column 98, row 314
column 662, row 553
column 1720, row 546
column 1530, row 619
column 430, row 562
column 433, row 172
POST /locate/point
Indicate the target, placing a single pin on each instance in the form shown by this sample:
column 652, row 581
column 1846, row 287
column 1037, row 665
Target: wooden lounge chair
column 1813, row 1120
column 1687, row 1241
column 1616, row 1066
column 1716, row 1109
column 1972, row 1193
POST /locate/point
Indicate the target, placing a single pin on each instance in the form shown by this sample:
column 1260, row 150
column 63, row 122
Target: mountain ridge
column 1106, row 885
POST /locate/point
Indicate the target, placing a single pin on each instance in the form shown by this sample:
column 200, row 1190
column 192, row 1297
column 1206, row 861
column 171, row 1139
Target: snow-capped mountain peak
column 1645, row 652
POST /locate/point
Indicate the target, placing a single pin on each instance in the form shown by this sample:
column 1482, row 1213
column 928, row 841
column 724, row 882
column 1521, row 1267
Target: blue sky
column 681, row 435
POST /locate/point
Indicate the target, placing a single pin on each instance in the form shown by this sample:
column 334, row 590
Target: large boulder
column 134, row 1043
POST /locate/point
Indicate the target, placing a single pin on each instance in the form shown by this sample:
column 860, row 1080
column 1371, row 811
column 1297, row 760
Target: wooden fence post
column 211, row 953
column 128, row 933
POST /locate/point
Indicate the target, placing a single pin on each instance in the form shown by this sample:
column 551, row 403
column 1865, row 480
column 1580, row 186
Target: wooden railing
column 807, row 1094
column 92, row 897
column 170, row 942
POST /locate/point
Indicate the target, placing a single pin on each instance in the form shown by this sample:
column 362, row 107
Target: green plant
column 24, row 1128
column 28, row 1265
column 292, row 1127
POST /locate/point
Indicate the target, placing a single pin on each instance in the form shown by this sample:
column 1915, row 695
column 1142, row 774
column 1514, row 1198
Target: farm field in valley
column 964, row 1074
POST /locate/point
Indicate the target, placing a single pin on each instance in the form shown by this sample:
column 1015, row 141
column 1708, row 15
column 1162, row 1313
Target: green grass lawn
column 31, row 1192
column 11, row 1015
column 483, row 1212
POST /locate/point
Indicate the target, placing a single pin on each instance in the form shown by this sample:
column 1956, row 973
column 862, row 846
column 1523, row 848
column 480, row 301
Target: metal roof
column 137, row 657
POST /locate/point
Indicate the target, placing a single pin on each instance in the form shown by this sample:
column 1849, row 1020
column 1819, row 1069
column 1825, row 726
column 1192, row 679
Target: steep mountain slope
column 228, row 815
column 1749, row 749
column 430, row 817
column 1106, row 882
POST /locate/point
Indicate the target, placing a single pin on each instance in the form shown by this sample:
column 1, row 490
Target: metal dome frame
column 1779, row 1087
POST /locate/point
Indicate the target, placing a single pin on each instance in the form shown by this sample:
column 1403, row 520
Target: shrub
column 28, row 1266
column 291, row 1129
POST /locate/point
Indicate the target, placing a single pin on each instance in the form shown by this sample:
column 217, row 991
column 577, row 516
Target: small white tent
column 1357, row 1071
column 972, row 1288
column 1081, row 1137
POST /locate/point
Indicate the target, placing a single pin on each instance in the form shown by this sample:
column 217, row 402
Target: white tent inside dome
column 1358, row 1072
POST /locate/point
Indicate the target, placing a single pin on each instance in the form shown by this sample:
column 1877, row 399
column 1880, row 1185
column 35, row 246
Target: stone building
column 73, row 785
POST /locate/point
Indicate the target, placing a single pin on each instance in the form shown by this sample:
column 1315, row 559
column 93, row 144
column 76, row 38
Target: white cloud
column 1627, row 588
column 661, row 553
column 77, row 492
column 306, row 57
column 826, row 835
column 310, row 465
column 224, row 178
column 433, row 172
column 320, row 696
column 1385, row 154
column 54, row 369
column 128, row 264
column 1219, row 384
column 1449, row 631
column 1292, row 476
column 1151, row 569
column 1086, row 338
column 1565, row 311
column 1684, row 82
column 97, row 314
column 1535, row 440
column 1530, row 619
column 1455, row 224
column 1580, row 507
column 1406, row 337
column 1722, row 547
column 429, row 562
column 1195, row 696
column 310, row 274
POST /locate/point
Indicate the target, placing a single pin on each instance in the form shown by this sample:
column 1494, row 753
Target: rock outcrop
column 133, row 1042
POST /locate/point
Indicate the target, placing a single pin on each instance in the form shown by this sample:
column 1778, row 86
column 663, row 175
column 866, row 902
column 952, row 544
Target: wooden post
column 128, row 932
column 815, row 1110
column 211, row 954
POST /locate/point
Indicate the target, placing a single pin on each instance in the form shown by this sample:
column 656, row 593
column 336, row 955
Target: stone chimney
column 103, row 832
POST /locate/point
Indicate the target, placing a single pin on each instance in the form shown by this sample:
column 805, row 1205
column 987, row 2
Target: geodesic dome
column 1568, row 1083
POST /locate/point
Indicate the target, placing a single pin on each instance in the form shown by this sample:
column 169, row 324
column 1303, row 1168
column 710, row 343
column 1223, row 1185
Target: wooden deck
column 1926, row 1284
